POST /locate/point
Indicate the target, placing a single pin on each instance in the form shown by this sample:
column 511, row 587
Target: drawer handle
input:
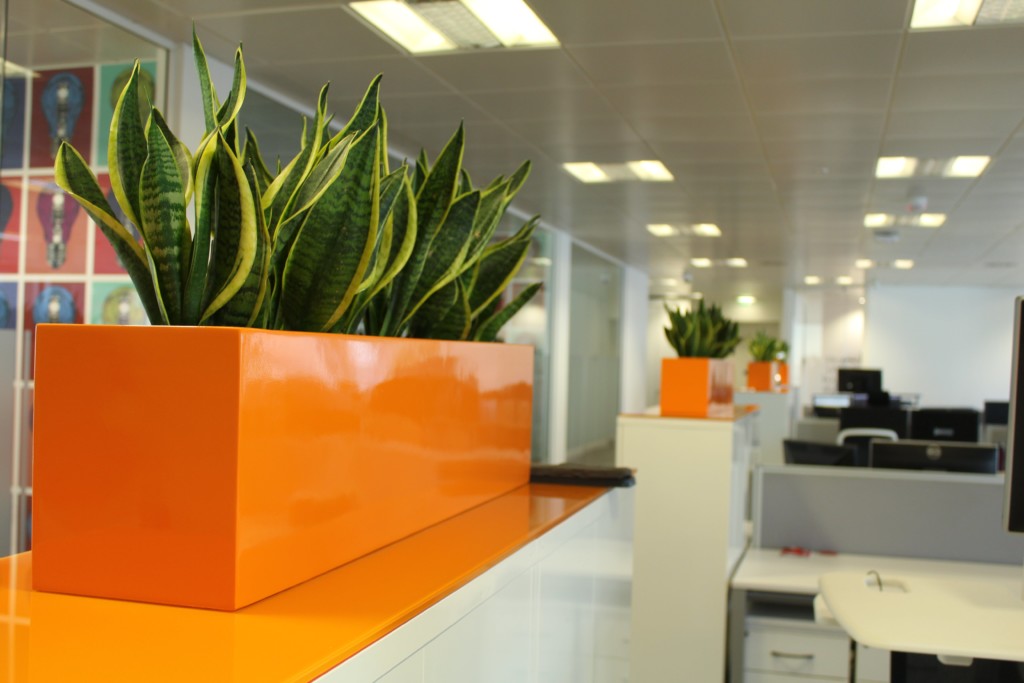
column 792, row 655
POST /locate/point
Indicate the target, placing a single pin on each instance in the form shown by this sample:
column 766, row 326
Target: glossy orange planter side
column 767, row 376
column 212, row 467
column 696, row 387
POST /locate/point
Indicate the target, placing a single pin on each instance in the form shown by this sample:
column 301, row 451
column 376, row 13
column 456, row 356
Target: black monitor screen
column 860, row 380
column 944, row 424
column 815, row 453
column 945, row 456
column 996, row 413
column 896, row 419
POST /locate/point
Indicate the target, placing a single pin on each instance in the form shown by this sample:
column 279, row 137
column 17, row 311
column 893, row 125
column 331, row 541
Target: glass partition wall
column 63, row 69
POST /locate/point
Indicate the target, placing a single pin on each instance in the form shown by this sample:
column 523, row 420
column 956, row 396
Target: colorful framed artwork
column 61, row 110
column 12, row 137
column 113, row 78
column 50, row 302
column 10, row 224
column 116, row 303
column 56, row 230
column 8, row 305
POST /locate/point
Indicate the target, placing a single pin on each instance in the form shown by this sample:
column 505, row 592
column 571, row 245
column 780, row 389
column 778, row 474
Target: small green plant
column 702, row 332
column 764, row 347
column 334, row 241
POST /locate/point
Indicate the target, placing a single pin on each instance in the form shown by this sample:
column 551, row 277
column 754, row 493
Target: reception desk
column 458, row 601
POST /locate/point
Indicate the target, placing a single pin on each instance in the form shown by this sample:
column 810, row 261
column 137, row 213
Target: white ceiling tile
column 661, row 128
column 502, row 70
column 814, row 96
column 836, row 56
column 936, row 148
column 952, row 122
column 432, row 109
column 824, row 150
column 830, row 125
column 710, row 152
column 655, row 62
column 980, row 50
column 695, row 99
column 801, row 17
column 612, row 21
column 565, row 104
column 959, row 91
column 564, row 131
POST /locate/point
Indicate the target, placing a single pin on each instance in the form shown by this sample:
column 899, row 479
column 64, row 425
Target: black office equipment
column 815, row 453
column 859, row 380
column 996, row 413
column 945, row 424
column 895, row 418
column 945, row 456
column 581, row 475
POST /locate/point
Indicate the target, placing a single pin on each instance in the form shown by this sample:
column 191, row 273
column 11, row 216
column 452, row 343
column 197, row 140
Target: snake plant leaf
column 448, row 250
column 126, row 150
column 498, row 266
column 235, row 231
column 252, row 156
column 182, row 157
column 465, row 182
column 403, row 234
column 228, row 111
column 367, row 112
column 244, row 307
column 439, row 187
column 390, row 187
column 492, row 206
column 424, row 324
column 205, row 195
column 72, row 174
column 454, row 323
column 206, row 89
column 420, row 170
column 488, row 331
column 332, row 249
column 163, row 224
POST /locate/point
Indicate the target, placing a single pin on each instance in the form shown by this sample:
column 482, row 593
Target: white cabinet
column 789, row 646
column 689, row 533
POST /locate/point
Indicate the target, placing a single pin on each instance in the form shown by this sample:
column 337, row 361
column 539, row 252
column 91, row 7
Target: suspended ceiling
column 770, row 115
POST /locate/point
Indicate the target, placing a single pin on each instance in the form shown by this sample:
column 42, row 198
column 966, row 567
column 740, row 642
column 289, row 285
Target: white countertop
column 978, row 614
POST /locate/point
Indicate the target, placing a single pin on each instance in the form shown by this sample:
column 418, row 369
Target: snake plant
column 702, row 333
column 333, row 241
column 764, row 347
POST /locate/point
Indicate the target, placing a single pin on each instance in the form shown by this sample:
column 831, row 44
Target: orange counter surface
column 295, row 635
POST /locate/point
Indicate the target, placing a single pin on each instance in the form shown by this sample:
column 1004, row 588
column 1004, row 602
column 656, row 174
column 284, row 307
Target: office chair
column 861, row 438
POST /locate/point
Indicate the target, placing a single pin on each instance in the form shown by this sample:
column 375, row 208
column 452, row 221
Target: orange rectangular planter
column 213, row 467
column 767, row 375
column 696, row 387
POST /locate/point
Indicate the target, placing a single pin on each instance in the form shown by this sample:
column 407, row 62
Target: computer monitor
column 815, row 453
column 945, row 424
column 944, row 456
column 859, row 380
column 996, row 413
column 895, row 418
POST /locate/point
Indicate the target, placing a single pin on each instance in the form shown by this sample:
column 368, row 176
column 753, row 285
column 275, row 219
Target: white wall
column 950, row 344
column 633, row 378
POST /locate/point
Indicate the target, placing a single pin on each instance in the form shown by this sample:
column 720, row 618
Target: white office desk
column 975, row 611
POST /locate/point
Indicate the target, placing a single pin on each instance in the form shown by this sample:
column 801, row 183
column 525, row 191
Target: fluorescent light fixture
column 746, row 300
column 844, row 280
column 966, row 167
column 862, row 300
column 700, row 262
column 706, row 230
column 878, row 220
column 936, row 13
column 542, row 261
column 931, row 220
column 895, row 167
column 402, row 25
column 1000, row 12
column 812, row 280
column 512, row 21
column 587, row 171
column 864, row 263
column 661, row 229
column 697, row 295
column 669, row 282
column 903, row 263
column 650, row 171
column 454, row 20
column 736, row 262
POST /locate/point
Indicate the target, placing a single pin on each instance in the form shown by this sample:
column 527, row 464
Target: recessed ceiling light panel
column 662, row 230
column 844, row 280
column 700, row 262
column 966, row 166
column 938, row 13
column 706, row 230
column 903, row 264
column 812, row 280
column 587, row 172
column 864, row 263
column 651, row 171
column 397, row 21
column 931, row 220
column 513, row 22
column 746, row 300
column 736, row 262
column 878, row 220
column 895, row 167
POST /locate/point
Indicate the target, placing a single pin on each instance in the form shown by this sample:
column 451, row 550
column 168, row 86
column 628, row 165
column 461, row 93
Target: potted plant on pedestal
column 236, row 448
column 768, row 371
column 699, row 383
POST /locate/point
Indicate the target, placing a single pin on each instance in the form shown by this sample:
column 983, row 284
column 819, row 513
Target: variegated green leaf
column 126, row 151
column 488, row 331
column 72, row 174
column 182, row 157
column 438, row 191
column 252, row 156
column 455, row 324
column 235, row 232
column 498, row 266
column 403, row 235
column 367, row 112
column 207, row 92
column 196, row 286
column 332, row 249
column 228, row 111
column 163, row 222
column 424, row 322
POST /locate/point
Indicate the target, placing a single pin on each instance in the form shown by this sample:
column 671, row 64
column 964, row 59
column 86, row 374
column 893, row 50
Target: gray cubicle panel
column 936, row 515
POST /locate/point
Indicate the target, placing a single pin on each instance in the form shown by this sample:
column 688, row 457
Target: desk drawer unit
column 765, row 677
column 787, row 646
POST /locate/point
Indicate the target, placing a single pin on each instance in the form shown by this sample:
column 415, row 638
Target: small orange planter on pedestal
column 769, row 375
column 212, row 467
column 696, row 387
